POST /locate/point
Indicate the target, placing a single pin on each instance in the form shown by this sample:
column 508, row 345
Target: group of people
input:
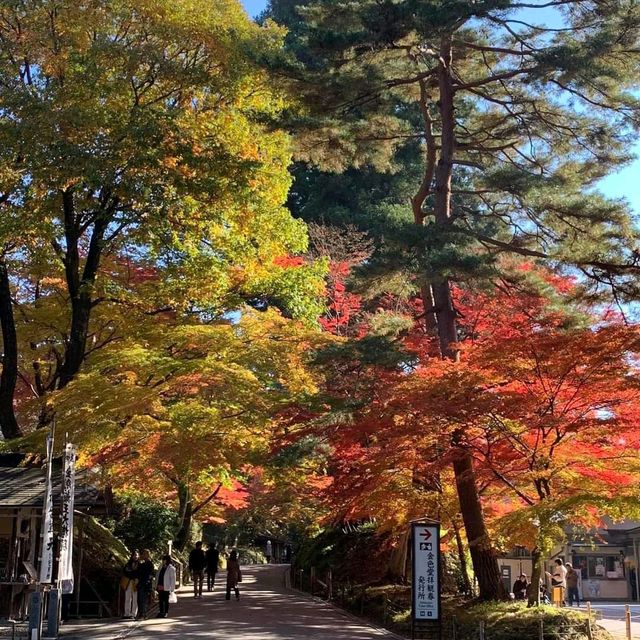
column 203, row 562
column 137, row 584
column 563, row 577
column 138, row 579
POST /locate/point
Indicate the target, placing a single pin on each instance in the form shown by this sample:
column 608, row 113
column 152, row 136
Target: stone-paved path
column 266, row 611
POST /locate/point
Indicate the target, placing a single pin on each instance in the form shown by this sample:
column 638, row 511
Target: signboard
column 426, row 572
column 46, row 555
column 65, row 570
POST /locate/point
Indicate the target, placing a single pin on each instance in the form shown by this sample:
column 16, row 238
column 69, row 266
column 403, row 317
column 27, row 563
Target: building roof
column 23, row 485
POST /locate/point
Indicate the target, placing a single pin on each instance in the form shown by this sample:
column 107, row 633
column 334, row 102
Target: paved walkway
column 611, row 616
column 266, row 611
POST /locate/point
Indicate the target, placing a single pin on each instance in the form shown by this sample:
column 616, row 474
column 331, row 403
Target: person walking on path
column 129, row 583
column 213, row 557
column 197, row 565
column 145, row 582
column 572, row 579
column 234, row 576
column 165, row 585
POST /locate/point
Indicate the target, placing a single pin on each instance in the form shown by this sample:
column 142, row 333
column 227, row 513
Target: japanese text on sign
column 426, row 576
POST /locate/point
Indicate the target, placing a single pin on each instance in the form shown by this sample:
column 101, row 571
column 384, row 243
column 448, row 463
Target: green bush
column 145, row 524
column 354, row 554
column 511, row 621
column 251, row 555
column 389, row 606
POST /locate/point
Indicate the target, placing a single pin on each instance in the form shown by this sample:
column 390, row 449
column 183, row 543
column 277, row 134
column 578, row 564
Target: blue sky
column 254, row 6
column 624, row 184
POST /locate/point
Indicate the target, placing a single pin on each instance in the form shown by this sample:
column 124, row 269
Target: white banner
column 46, row 555
column 65, row 569
column 426, row 572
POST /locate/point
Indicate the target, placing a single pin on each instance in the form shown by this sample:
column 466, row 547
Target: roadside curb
column 119, row 635
column 345, row 613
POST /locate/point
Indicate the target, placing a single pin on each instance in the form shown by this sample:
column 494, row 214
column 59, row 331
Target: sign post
column 426, row 578
column 46, row 552
column 60, row 597
column 65, row 567
column 45, row 575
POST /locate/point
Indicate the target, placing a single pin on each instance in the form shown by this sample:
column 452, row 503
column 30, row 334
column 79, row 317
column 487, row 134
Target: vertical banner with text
column 426, row 572
column 65, row 571
column 46, row 555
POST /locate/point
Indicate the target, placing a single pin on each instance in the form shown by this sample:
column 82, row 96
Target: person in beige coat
column 234, row 575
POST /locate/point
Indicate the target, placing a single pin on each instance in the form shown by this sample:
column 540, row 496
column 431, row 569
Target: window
column 605, row 567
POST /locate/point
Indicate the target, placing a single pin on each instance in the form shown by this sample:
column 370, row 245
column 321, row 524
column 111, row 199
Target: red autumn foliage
column 547, row 398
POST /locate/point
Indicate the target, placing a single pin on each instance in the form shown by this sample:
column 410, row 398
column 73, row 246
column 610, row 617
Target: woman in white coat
column 165, row 585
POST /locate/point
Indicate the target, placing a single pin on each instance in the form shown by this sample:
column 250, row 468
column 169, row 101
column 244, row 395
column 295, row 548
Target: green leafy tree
column 145, row 523
column 130, row 132
column 183, row 412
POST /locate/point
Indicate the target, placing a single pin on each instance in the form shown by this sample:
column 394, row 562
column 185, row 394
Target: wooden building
column 22, row 491
column 606, row 560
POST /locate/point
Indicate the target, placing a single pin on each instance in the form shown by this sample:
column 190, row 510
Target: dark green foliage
column 367, row 351
column 460, row 134
column 540, row 116
column 304, row 448
column 352, row 552
column 145, row 524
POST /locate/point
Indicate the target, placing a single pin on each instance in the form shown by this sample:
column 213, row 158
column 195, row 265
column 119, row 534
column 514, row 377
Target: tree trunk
column 76, row 346
column 447, row 325
column 185, row 515
column 485, row 563
column 9, row 377
column 80, row 283
column 462, row 558
column 483, row 557
column 533, row 599
column 398, row 561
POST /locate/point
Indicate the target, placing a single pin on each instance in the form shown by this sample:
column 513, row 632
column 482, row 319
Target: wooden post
column 78, row 583
column 329, row 585
column 589, row 630
column 313, row 580
column 481, row 630
column 627, row 618
column 541, row 629
column 453, row 628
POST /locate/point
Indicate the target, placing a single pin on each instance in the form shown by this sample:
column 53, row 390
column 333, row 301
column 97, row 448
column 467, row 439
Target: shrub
column 511, row 620
column 145, row 524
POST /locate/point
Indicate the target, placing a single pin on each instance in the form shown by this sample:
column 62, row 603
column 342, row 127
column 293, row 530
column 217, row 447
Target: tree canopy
column 349, row 263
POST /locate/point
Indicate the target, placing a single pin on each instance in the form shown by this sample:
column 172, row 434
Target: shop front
column 603, row 573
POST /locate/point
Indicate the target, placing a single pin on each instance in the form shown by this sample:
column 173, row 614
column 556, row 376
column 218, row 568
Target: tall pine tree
column 515, row 123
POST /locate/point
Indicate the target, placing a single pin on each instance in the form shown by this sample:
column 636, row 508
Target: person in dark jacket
column 129, row 583
column 520, row 587
column 197, row 565
column 213, row 557
column 145, row 582
column 234, row 575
